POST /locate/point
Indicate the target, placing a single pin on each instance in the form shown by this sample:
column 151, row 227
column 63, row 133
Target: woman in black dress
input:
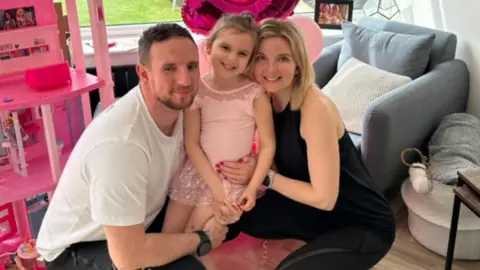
column 319, row 191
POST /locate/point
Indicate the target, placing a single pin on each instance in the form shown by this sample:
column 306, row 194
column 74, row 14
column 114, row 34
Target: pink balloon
column 312, row 33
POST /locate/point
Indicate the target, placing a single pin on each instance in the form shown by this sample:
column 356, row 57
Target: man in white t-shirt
column 115, row 183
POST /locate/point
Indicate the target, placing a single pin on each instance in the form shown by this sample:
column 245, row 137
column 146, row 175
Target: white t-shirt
column 118, row 174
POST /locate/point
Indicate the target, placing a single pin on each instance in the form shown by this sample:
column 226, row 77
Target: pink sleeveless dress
column 227, row 134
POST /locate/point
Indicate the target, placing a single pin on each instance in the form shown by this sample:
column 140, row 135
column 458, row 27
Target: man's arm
column 131, row 248
column 118, row 176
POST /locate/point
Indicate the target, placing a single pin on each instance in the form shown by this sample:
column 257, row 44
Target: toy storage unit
column 429, row 218
column 44, row 104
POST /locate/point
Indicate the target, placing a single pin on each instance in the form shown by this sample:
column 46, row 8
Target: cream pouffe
column 429, row 218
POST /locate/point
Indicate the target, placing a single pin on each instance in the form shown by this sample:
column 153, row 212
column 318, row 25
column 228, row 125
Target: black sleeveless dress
column 359, row 203
column 359, row 207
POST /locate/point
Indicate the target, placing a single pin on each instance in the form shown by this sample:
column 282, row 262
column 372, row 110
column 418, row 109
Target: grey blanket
column 454, row 145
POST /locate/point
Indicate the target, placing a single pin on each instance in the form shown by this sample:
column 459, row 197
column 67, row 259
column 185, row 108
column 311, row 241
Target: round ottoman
column 429, row 218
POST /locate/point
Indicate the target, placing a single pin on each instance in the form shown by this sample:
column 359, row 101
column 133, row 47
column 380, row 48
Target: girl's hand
column 226, row 213
column 247, row 199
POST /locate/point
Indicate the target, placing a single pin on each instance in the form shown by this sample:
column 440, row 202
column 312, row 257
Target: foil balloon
column 200, row 16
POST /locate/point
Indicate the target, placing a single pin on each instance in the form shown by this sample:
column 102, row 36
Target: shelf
column 14, row 187
column 25, row 97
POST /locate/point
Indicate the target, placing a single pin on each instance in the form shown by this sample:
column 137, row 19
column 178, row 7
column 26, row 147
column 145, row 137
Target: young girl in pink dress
column 219, row 126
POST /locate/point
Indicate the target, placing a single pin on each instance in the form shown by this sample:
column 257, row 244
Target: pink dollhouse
column 44, row 107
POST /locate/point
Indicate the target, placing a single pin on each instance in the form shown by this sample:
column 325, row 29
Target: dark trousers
column 94, row 255
column 341, row 248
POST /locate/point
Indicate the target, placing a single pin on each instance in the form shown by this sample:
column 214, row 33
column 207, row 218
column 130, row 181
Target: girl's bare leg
column 199, row 217
column 177, row 217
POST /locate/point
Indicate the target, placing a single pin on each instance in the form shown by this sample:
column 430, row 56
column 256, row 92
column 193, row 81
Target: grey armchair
column 407, row 116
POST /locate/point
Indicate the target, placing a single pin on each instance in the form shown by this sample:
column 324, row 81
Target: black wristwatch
column 205, row 244
column 268, row 181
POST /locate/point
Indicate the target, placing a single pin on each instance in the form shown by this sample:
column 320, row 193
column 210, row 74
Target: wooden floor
column 247, row 253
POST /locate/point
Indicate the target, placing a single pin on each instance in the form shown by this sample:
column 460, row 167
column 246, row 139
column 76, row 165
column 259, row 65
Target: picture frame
column 330, row 14
column 17, row 18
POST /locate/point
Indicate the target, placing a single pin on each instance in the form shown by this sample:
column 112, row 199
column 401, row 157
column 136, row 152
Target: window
column 125, row 12
column 122, row 12
column 126, row 19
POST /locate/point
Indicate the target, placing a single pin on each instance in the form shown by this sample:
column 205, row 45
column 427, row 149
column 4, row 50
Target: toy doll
column 10, row 134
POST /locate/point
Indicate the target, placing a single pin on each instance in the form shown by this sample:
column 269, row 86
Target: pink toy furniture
column 44, row 104
column 41, row 79
column 8, row 225
column 28, row 257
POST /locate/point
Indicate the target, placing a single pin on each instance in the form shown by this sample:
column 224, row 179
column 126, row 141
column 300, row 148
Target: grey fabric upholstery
column 326, row 66
column 357, row 141
column 444, row 45
column 407, row 116
column 402, row 54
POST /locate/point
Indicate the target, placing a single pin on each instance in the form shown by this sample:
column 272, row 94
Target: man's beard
column 170, row 104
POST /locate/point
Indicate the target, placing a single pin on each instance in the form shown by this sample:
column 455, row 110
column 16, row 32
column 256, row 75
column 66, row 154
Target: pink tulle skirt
column 189, row 188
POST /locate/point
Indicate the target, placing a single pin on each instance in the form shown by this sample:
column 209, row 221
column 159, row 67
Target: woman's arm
column 192, row 122
column 264, row 122
column 319, row 128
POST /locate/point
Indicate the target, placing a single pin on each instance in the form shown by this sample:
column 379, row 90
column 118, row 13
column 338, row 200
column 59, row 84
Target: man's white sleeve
column 118, row 178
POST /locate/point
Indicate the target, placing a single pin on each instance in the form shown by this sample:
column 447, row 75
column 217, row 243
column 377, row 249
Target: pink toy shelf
column 44, row 104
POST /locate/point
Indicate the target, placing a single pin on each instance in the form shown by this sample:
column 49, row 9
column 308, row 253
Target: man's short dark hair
column 158, row 33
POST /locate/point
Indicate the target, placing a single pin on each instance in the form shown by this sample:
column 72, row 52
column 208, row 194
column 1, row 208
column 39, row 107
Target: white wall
column 459, row 17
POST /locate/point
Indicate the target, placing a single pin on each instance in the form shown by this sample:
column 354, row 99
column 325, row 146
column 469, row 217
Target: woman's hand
column 247, row 200
column 239, row 172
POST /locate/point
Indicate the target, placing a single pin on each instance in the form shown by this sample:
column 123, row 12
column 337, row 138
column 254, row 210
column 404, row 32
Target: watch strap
column 203, row 236
column 204, row 240
column 268, row 181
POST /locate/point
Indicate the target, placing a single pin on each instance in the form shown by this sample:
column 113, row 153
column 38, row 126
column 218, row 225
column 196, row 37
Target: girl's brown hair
column 243, row 23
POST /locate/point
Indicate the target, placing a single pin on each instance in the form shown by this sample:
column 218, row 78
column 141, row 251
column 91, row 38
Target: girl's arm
column 319, row 128
column 264, row 122
column 192, row 122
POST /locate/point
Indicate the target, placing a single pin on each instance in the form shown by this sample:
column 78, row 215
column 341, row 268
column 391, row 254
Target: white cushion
column 355, row 85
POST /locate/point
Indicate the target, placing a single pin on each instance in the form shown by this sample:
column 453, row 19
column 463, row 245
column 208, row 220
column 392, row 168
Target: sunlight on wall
column 451, row 16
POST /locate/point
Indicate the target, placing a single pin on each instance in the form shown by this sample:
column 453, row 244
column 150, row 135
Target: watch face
column 204, row 249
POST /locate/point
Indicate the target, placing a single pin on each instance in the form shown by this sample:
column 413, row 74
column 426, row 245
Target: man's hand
column 216, row 231
column 239, row 172
column 226, row 213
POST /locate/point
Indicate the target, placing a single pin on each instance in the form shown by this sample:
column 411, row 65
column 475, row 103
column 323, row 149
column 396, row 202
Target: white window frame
column 131, row 32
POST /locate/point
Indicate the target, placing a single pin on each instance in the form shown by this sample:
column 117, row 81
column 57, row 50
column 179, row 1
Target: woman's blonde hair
column 243, row 23
column 304, row 76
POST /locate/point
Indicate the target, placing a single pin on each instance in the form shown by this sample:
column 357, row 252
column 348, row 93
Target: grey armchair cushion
column 402, row 54
column 357, row 141
column 444, row 45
